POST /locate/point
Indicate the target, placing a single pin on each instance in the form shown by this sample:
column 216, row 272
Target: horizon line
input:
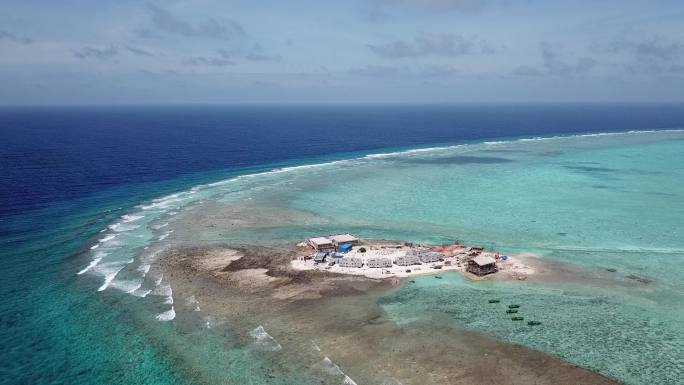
column 340, row 103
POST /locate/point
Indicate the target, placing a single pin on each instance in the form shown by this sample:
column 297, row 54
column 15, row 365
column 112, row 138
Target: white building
column 350, row 262
column 343, row 238
column 321, row 244
column 407, row 260
column 430, row 257
column 379, row 262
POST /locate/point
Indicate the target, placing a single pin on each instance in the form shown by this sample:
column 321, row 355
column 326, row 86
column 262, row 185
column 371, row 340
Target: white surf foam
column 192, row 302
column 328, row 367
column 167, row 315
column 533, row 139
column 127, row 286
column 412, row 151
column 308, row 166
column 107, row 238
column 596, row 134
column 131, row 217
column 93, row 263
column 162, row 203
column 109, row 277
column 623, row 249
column 147, row 259
column 157, row 227
column 141, row 293
column 263, row 341
column 144, row 269
column 109, row 271
column 212, row 322
column 120, row 227
column 163, row 290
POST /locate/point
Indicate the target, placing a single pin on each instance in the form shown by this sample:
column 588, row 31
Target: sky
column 353, row 51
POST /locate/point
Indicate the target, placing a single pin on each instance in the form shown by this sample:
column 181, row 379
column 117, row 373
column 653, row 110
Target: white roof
column 320, row 241
column 482, row 260
column 342, row 238
column 408, row 256
column 352, row 259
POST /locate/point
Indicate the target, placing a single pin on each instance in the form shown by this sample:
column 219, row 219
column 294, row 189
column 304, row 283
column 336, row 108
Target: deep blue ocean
column 65, row 172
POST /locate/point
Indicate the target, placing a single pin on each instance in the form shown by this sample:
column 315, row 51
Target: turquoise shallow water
column 594, row 201
column 598, row 202
column 623, row 339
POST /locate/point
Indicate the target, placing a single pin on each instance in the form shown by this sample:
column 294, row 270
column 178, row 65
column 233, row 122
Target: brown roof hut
column 482, row 265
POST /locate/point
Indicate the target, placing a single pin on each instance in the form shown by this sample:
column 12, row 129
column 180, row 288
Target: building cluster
column 379, row 262
column 350, row 262
column 335, row 248
column 430, row 257
column 332, row 242
column 407, row 260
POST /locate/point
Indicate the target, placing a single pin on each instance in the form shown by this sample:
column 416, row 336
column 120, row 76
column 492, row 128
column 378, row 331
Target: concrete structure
column 430, row 257
column 379, row 262
column 350, row 262
column 320, row 257
column 475, row 251
column 407, row 260
column 321, row 244
column 344, row 238
column 482, row 265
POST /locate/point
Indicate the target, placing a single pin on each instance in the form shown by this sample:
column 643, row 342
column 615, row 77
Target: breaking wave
column 263, row 341
column 167, row 315
column 622, row 250
column 328, row 367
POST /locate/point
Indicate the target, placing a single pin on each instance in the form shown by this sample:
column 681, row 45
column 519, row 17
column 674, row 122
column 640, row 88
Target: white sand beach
column 452, row 258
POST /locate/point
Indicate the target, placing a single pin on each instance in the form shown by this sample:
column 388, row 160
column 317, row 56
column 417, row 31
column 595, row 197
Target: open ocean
column 83, row 190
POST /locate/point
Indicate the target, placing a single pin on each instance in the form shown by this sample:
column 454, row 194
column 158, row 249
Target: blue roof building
column 344, row 248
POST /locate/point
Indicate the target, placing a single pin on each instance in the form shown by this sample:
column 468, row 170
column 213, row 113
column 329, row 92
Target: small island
column 348, row 254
